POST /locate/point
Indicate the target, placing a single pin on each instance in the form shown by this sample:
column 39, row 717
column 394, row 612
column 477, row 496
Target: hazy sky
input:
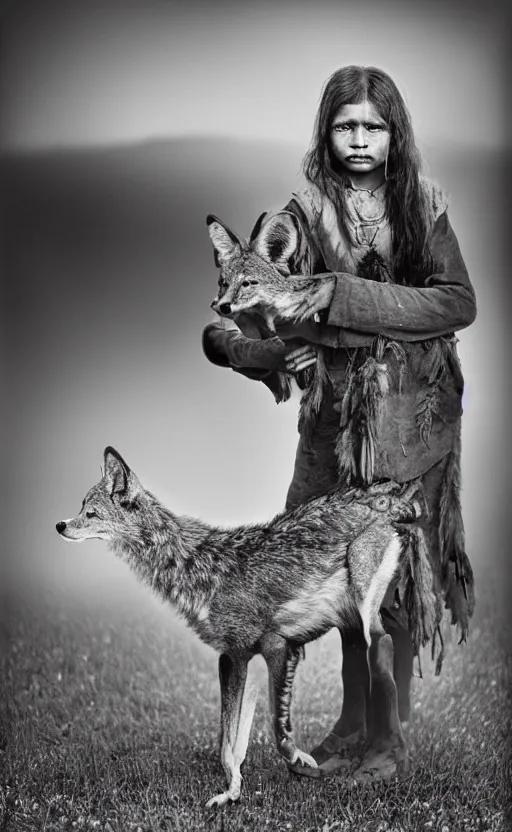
column 100, row 72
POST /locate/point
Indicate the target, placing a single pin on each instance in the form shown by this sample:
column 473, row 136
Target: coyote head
column 253, row 272
column 112, row 508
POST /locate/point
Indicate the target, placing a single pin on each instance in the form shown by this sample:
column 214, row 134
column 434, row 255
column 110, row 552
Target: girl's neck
column 370, row 181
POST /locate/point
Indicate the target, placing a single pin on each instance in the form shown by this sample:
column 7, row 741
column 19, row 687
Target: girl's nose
column 358, row 137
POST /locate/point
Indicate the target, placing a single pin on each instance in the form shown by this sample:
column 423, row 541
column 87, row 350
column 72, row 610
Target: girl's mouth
column 359, row 159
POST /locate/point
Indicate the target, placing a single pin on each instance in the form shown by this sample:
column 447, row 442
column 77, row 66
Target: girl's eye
column 253, row 282
column 90, row 514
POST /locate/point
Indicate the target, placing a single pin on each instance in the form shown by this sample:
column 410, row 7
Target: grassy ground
column 110, row 722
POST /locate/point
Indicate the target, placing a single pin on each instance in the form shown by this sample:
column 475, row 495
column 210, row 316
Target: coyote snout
column 271, row 588
column 221, row 308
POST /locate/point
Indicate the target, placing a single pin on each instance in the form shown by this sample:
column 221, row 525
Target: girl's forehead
column 364, row 111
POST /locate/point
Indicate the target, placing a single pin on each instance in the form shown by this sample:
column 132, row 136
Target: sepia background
column 122, row 126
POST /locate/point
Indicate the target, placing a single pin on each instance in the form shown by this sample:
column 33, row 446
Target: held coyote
column 271, row 588
column 254, row 274
column 257, row 280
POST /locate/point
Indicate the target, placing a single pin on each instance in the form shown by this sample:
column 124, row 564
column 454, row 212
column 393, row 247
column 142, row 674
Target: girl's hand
column 305, row 297
column 300, row 358
column 270, row 354
column 288, row 356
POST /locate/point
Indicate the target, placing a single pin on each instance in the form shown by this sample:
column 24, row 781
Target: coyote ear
column 225, row 242
column 116, row 471
column 278, row 239
column 257, row 226
column 119, row 478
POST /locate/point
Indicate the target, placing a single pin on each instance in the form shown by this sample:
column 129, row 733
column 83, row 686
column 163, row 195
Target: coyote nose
column 225, row 308
column 60, row 526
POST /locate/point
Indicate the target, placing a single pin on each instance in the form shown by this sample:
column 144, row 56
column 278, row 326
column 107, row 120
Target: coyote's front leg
column 282, row 660
column 238, row 700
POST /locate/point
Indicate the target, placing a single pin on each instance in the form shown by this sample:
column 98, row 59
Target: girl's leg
column 316, row 473
column 344, row 740
column 387, row 754
column 398, row 628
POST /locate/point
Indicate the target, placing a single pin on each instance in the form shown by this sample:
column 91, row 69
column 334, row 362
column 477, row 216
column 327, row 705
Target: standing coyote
column 271, row 588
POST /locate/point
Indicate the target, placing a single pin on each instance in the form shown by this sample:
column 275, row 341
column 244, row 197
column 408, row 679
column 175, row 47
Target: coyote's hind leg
column 282, row 660
column 238, row 700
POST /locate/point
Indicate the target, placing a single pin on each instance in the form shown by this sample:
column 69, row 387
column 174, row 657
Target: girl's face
column 359, row 139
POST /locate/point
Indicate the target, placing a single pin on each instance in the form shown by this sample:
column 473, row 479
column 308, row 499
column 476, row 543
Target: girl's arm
column 446, row 304
column 270, row 360
column 225, row 345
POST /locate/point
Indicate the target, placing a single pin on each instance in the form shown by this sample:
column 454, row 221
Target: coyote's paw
column 304, row 764
column 221, row 799
column 304, row 759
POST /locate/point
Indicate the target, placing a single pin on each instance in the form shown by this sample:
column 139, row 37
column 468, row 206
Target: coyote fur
column 271, row 588
column 254, row 273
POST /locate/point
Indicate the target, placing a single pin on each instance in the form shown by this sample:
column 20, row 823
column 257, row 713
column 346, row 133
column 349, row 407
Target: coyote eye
column 254, row 282
column 90, row 514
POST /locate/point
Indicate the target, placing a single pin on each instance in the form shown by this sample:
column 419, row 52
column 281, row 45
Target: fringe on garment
column 450, row 580
column 368, row 382
column 317, row 381
column 438, row 357
column 456, row 574
column 281, row 386
column 360, row 412
column 422, row 599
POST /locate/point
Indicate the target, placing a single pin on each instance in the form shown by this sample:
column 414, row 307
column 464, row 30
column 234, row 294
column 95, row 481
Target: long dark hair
column 406, row 206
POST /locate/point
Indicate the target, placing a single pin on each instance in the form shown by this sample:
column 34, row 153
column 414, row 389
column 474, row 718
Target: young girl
column 392, row 288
